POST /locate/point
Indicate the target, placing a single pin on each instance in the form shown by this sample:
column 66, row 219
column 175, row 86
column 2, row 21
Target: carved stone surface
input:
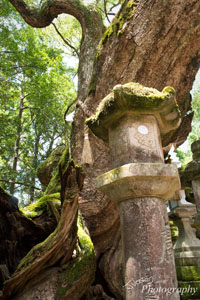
column 140, row 180
column 135, row 138
column 140, row 100
column 196, row 191
column 131, row 119
column 148, row 250
column 187, row 246
column 191, row 178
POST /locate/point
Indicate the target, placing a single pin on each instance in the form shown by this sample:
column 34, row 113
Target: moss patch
column 84, row 263
column 40, row 206
column 54, row 184
column 123, row 16
column 45, row 169
column 174, row 230
column 188, row 273
column 137, row 98
column 133, row 96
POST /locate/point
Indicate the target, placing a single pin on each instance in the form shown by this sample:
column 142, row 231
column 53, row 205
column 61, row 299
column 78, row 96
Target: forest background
column 38, row 82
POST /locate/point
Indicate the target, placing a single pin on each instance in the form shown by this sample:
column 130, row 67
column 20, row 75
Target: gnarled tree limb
column 58, row 247
column 92, row 29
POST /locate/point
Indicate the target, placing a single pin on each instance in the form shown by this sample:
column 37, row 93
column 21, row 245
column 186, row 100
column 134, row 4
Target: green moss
column 54, row 185
column 46, row 245
column 84, row 263
column 124, row 15
column 45, row 169
column 40, row 206
column 116, row 28
column 135, row 95
column 189, row 194
column 174, row 230
column 132, row 97
column 188, row 273
column 189, row 290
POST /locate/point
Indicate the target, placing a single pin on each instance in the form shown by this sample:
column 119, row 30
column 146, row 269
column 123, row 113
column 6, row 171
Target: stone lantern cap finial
column 192, row 170
column 135, row 98
column 195, row 147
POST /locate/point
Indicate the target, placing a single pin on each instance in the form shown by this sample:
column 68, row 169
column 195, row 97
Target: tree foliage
column 35, row 88
column 148, row 42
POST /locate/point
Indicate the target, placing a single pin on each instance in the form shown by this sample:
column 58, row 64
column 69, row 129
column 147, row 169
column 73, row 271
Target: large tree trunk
column 156, row 47
column 153, row 42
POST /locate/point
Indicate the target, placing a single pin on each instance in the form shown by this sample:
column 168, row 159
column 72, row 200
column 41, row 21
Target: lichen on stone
column 135, row 98
column 174, row 231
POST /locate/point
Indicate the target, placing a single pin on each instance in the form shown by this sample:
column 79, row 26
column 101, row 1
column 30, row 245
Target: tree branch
column 105, row 10
column 19, row 182
column 26, row 107
column 64, row 40
column 92, row 29
column 17, row 67
column 68, row 107
column 43, row 17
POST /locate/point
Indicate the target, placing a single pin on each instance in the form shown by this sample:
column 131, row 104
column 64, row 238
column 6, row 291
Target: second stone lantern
column 132, row 119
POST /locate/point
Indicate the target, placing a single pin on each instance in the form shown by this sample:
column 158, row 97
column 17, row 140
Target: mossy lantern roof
column 136, row 99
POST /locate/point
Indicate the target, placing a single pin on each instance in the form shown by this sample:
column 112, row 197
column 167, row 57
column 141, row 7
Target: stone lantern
column 132, row 119
column 187, row 250
column 191, row 175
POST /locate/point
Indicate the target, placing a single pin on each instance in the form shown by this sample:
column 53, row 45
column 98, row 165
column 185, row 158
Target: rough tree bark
column 18, row 234
column 153, row 42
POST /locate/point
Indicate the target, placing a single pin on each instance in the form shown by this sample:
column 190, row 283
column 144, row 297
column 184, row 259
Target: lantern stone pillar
column 191, row 178
column 195, row 167
column 187, row 246
column 132, row 120
column 187, row 251
column 191, row 175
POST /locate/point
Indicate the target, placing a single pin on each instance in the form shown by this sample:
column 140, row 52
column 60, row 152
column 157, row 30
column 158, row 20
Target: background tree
column 36, row 87
column 152, row 42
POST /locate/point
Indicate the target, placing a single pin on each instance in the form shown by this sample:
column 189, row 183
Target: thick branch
column 156, row 44
column 42, row 17
column 92, row 29
column 58, row 247
column 19, row 182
